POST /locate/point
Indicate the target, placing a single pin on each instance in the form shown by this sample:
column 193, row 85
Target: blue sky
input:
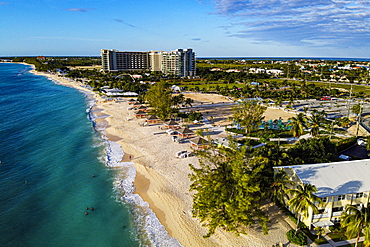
column 213, row 28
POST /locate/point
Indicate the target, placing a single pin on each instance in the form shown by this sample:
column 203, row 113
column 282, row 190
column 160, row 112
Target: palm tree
column 189, row 101
column 279, row 187
column 357, row 221
column 316, row 121
column 303, row 200
column 319, row 231
column 298, row 124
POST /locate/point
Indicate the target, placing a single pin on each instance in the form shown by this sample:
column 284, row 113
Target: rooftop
column 337, row 178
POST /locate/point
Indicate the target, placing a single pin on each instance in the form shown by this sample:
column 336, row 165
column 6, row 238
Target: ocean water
column 54, row 164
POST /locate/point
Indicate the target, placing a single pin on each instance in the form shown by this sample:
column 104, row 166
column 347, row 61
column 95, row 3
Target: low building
column 338, row 184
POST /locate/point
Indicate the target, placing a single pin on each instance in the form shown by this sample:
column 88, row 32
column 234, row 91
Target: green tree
column 189, row 102
column 159, row 97
column 229, row 190
column 356, row 221
column 312, row 151
column 279, row 187
column 319, row 231
column 303, row 200
column 178, row 99
column 316, row 121
column 298, row 124
column 357, row 109
column 248, row 114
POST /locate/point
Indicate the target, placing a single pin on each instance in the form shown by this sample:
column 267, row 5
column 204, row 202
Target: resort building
column 188, row 62
column 171, row 63
column 338, row 184
column 113, row 60
column 181, row 62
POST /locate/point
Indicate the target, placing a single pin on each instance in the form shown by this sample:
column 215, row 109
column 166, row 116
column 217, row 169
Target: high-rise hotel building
column 180, row 62
column 113, row 60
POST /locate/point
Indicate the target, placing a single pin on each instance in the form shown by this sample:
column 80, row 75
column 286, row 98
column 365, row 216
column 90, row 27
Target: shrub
column 297, row 237
column 195, row 116
column 346, row 143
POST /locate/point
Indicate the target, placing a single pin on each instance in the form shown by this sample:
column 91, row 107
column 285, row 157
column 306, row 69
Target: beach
column 162, row 179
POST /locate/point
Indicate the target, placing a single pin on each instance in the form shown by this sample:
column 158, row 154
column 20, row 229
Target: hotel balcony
column 320, row 216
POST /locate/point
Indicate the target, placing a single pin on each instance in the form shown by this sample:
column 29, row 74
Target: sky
column 212, row 28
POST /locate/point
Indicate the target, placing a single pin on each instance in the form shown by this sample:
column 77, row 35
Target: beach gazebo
column 136, row 105
column 185, row 132
column 171, row 124
column 140, row 114
column 131, row 101
column 152, row 119
column 199, row 143
column 142, row 108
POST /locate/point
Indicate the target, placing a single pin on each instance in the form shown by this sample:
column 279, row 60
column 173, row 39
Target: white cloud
column 299, row 22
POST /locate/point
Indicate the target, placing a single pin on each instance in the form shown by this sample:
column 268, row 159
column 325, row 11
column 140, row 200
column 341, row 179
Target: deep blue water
column 49, row 152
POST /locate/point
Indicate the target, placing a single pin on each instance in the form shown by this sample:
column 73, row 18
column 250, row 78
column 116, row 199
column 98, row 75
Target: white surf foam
column 148, row 225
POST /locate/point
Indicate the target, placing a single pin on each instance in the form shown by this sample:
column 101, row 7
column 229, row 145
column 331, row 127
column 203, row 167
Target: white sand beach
column 162, row 179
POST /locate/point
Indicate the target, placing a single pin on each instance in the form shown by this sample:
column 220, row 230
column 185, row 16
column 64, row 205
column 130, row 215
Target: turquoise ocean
column 54, row 164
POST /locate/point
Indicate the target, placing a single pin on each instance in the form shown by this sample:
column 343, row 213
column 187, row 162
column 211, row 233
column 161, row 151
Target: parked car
column 182, row 154
column 176, row 139
column 344, row 157
column 171, row 132
column 361, row 142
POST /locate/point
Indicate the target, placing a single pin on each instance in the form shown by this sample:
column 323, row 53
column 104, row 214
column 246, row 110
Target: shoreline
column 141, row 184
column 161, row 179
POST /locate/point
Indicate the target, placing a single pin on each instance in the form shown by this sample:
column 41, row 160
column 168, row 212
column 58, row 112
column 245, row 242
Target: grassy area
column 355, row 88
column 347, row 86
column 210, row 86
column 337, row 236
column 321, row 240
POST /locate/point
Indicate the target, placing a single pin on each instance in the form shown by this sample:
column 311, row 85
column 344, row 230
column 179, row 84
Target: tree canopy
column 356, row 221
column 248, row 114
column 230, row 190
column 160, row 99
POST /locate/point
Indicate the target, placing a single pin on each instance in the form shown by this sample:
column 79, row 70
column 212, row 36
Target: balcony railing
column 337, row 213
column 319, row 216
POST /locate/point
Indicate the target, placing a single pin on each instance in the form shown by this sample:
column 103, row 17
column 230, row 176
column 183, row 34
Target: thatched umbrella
column 199, row 142
column 171, row 124
column 185, row 132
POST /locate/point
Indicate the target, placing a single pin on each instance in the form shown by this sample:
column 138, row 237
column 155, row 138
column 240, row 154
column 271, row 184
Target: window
column 340, row 197
column 321, row 211
column 324, row 199
column 359, row 195
column 336, row 220
column 337, row 209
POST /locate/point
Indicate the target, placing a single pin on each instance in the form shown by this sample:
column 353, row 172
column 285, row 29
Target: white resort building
column 338, row 184
column 180, row 62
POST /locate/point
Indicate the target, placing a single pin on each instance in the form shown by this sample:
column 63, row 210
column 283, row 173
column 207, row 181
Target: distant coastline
column 287, row 58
